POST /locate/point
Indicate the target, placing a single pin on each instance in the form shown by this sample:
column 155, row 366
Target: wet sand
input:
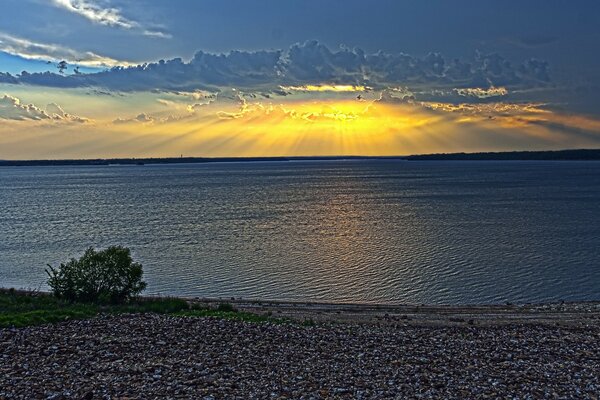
column 577, row 314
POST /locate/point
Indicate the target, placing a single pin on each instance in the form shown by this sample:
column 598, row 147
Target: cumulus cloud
column 489, row 109
column 140, row 118
column 11, row 108
column 325, row 88
column 316, row 112
column 195, row 95
column 197, row 106
column 166, row 103
column 304, row 67
column 243, row 110
column 482, row 93
column 57, row 113
column 108, row 16
column 43, row 51
column 8, row 78
column 173, row 110
column 396, row 95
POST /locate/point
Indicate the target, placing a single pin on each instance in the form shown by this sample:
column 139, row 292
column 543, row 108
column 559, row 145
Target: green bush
column 106, row 276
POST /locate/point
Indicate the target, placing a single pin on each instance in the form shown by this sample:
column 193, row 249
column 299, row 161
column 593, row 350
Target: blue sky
column 484, row 58
column 563, row 32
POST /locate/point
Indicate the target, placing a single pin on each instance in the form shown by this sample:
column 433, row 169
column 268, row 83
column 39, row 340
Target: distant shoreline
column 555, row 155
column 178, row 160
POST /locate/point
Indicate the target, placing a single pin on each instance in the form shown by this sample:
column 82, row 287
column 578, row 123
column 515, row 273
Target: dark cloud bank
column 302, row 64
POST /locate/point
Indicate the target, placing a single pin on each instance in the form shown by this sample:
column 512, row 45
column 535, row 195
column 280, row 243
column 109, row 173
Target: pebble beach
column 148, row 356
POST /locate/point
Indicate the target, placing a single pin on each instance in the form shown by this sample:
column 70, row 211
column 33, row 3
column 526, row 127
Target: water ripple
column 364, row 231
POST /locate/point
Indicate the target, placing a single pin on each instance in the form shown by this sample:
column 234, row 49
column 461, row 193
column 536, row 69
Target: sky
column 164, row 78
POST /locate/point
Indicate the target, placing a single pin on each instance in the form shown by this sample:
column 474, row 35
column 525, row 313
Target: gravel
column 151, row 356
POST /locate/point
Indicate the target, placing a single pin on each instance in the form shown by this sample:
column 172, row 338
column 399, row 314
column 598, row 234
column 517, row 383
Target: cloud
column 11, row 108
column 396, row 96
column 311, row 113
column 140, row 118
column 495, row 70
column 157, row 33
column 51, row 52
column 175, row 109
column 501, row 114
column 243, row 110
column 57, row 113
column 107, row 16
column 144, row 118
column 488, row 109
column 325, row 88
column 315, row 62
column 504, row 114
column 8, row 78
column 195, row 95
column 95, row 13
column 166, row 103
column 535, row 69
column 197, row 106
column 311, row 66
column 482, row 93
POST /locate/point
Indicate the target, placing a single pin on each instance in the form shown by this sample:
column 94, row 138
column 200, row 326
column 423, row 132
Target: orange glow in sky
column 292, row 127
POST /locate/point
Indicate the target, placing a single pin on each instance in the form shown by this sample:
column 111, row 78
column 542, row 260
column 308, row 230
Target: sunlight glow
column 294, row 127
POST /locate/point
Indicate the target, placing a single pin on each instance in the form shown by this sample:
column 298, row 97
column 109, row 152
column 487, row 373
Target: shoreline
column 517, row 155
column 566, row 314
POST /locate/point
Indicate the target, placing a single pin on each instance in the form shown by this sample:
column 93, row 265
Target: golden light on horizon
column 300, row 127
column 347, row 127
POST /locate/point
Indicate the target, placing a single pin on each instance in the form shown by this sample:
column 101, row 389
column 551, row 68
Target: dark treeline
column 170, row 160
column 583, row 154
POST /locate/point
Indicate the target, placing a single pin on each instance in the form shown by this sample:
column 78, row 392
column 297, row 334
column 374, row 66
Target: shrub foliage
column 104, row 276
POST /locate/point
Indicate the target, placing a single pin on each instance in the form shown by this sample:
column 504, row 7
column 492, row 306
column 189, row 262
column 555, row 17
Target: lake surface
column 349, row 231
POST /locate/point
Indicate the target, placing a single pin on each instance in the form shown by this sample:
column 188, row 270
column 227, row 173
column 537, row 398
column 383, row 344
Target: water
column 347, row 231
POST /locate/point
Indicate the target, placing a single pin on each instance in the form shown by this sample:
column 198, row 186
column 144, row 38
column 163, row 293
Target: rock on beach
column 151, row 356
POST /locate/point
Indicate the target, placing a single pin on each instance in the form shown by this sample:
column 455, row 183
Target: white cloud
column 57, row 113
column 52, row 52
column 107, row 16
column 142, row 118
column 482, row 93
column 166, row 103
column 11, row 108
column 396, row 95
column 96, row 13
column 157, row 33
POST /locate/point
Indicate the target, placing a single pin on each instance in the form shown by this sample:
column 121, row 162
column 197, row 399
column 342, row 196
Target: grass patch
column 39, row 317
column 20, row 309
